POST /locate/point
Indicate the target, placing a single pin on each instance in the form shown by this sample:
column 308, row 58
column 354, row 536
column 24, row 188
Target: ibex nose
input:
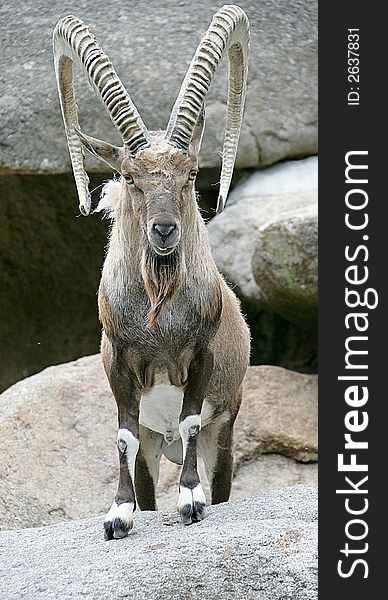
column 164, row 229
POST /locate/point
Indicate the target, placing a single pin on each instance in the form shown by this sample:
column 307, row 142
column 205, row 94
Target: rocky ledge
column 262, row 548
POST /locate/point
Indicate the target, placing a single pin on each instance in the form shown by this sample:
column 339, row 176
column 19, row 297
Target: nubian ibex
column 175, row 346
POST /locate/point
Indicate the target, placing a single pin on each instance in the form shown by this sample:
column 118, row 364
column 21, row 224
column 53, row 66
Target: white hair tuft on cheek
column 109, row 198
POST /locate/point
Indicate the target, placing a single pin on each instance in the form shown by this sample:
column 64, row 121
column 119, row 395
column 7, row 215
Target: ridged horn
column 73, row 40
column 228, row 32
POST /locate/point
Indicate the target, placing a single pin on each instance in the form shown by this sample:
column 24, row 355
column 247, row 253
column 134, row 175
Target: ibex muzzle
column 163, row 222
column 175, row 346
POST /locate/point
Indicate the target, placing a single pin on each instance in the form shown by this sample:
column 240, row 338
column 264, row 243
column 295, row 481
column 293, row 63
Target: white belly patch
column 160, row 409
column 161, row 406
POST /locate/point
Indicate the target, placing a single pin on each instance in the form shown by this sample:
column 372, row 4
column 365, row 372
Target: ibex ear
column 112, row 155
column 196, row 140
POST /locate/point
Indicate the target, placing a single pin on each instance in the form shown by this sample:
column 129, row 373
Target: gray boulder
column 275, row 194
column 271, row 471
column 282, row 198
column 264, row 548
column 285, row 266
column 58, row 438
column 151, row 45
column 279, row 413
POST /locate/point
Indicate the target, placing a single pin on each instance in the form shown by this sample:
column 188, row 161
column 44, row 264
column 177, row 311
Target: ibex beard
column 175, row 346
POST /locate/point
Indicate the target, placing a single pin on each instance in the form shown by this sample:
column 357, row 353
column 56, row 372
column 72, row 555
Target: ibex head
column 159, row 168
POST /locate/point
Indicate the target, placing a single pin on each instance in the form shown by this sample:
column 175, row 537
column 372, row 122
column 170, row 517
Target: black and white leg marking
column 119, row 519
column 147, row 468
column 191, row 500
column 215, row 447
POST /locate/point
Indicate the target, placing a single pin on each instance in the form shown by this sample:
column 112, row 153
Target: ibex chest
column 179, row 328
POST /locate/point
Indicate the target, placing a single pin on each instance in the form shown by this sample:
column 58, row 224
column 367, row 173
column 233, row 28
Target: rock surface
column 263, row 219
column 285, row 266
column 261, row 474
column 271, row 471
column 275, row 194
column 151, row 46
column 58, row 433
column 264, row 548
column 279, row 413
column 289, row 177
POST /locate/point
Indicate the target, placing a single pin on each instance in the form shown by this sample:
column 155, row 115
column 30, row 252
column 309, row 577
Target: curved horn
column 72, row 39
column 229, row 31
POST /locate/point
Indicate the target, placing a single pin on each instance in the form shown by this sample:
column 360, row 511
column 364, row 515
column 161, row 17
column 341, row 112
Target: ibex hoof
column 193, row 430
column 118, row 521
column 121, row 445
column 169, row 436
column 191, row 504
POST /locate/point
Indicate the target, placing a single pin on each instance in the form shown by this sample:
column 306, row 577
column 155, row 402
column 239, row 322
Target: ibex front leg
column 191, row 501
column 119, row 519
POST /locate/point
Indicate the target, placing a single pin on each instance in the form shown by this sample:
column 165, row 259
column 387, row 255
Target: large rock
column 279, row 413
column 268, row 196
column 285, row 266
column 271, row 471
column 276, row 204
column 58, row 432
column 264, row 548
column 151, row 45
column 57, row 440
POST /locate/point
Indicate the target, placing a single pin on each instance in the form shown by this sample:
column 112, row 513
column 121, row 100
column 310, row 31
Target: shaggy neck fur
column 163, row 278
column 189, row 267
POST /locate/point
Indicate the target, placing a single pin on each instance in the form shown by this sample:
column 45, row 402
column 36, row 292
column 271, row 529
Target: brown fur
column 162, row 276
column 163, row 158
column 107, row 316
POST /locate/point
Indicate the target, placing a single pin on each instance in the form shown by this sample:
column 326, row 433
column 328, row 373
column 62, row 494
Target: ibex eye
column 192, row 175
column 128, row 178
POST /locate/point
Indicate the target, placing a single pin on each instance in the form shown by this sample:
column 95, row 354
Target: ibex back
column 175, row 346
